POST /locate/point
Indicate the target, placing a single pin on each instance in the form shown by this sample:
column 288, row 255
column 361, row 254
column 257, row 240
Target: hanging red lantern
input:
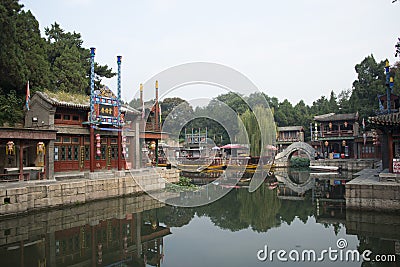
column 98, row 145
column 124, row 145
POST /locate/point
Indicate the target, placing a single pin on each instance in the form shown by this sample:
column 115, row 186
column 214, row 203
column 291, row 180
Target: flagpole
column 28, row 96
column 141, row 100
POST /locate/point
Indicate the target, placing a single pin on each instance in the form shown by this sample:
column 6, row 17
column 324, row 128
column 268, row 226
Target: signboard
column 106, row 110
column 82, row 157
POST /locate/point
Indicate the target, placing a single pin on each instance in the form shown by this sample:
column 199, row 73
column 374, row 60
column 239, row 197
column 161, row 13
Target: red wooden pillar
column 108, row 153
column 119, row 158
column 390, row 150
column 92, row 151
column 21, row 160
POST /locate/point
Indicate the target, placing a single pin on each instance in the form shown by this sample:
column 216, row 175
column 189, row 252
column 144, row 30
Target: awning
column 230, row 146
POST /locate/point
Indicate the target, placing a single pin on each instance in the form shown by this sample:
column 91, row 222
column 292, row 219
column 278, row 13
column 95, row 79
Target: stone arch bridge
column 282, row 158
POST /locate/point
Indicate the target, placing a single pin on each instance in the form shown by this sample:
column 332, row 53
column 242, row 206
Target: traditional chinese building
column 67, row 115
column 368, row 146
column 288, row 135
column 151, row 131
column 336, row 134
column 388, row 126
column 387, row 123
column 24, row 153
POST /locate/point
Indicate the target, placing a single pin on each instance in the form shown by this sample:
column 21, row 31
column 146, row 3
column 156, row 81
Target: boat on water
column 220, row 164
column 325, row 168
column 231, row 156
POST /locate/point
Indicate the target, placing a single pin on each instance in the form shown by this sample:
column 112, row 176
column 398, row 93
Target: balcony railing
column 289, row 139
column 337, row 133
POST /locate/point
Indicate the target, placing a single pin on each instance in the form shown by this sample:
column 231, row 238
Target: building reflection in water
column 133, row 239
column 131, row 231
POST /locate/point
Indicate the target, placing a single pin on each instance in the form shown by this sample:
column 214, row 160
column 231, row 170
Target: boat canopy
column 230, row 146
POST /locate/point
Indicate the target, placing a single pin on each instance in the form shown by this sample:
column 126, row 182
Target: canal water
column 297, row 213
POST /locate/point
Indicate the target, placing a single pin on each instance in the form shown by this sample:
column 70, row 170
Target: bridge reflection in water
column 136, row 231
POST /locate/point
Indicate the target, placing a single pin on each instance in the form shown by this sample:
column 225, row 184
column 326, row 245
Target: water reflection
column 117, row 232
column 290, row 210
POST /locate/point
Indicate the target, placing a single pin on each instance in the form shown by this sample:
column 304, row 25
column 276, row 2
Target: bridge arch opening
column 286, row 156
column 299, row 158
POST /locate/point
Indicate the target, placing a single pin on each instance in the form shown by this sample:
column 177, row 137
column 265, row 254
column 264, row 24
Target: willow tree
column 260, row 129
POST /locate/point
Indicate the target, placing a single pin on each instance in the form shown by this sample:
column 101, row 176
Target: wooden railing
column 338, row 133
column 290, row 139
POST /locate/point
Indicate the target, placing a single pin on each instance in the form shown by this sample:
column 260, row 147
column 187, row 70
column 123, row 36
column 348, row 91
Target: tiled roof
column 77, row 101
column 386, row 119
column 336, row 117
column 63, row 99
column 290, row 128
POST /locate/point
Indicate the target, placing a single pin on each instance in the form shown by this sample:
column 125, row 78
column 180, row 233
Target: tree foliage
column 59, row 62
column 362, row 98
column 369, row 84
column 70, row 61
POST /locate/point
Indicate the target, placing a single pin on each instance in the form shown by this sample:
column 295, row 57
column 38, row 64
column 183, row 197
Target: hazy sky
column 290, row 49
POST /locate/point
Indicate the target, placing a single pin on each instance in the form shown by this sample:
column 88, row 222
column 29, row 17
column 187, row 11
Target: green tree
column 234, row 101
column 333, row 105
column 65, row 50
column 177, row 112
column 12, row 66
column 34, row 46
column 344, row 101
column 70, row 75
column 320, row 106
column 302, row 113
column 395, row 72
column 284, row 114
column 370, row 83
column 259, row 127
column 8, row 111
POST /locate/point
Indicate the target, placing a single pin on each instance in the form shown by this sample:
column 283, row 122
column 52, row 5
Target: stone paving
column 369, row 192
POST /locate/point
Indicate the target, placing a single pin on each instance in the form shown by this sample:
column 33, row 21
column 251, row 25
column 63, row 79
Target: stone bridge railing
column 283, row 157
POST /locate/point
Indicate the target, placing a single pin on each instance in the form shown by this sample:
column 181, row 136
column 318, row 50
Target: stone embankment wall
column 346, row 164
column 35, row 195
column 369, row 192
column 375, row 197
column 171, row 175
